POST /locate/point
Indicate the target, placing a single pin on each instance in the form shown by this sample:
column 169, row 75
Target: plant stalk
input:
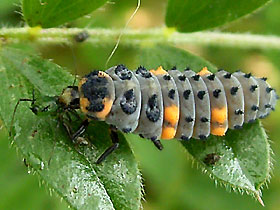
column 130, row 36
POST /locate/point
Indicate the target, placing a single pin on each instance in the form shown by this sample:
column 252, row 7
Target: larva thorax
column 159, row 104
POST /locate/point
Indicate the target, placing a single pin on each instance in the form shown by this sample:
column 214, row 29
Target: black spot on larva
column 252, row 121
column 254, row 108
column 95, row 90
column 153, row 138
column 187, row 68
column 220, row 70
column 126, row 130
column 174, row 68
column 239, row 70
column 93, row 79
column 196, row 77
column 267, row 106
column 166, row 77
column 95, row 107
column 123, row 73
column 182, row 78
column 227, row 76
column 189, row 119
column 201, row 94
column 128, row 102
column 185, row 138
column 143, row 72
column 204, row 119
column 238, row 112
column 153, row 111
column 233, row 90
column 264, row 78
column 202, row 137
column 247, row 75
column 253, row 88
column 263, row 116
column 237, row 127
column 171, row 94
column 211, row 77
column 216, row 93
column 141, row 135
column 211, row 159
column 268, row 89
column 186, row 94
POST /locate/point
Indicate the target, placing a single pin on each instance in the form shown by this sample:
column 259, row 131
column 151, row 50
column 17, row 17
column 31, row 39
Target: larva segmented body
column 161, row 104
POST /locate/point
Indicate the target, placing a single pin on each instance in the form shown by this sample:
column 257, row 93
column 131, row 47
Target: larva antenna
column 120, row 35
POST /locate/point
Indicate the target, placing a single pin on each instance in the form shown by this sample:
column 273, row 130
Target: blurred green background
column 171, row 181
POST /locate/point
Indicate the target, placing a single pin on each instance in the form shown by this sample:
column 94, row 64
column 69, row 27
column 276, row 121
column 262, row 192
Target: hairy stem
column 159, row 35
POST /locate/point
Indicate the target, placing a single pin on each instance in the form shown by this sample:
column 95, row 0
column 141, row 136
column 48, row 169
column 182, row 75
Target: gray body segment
column 202, row 105
column 218, row 103
column 150, row 127
column 265, row 98
column 251, row 94
column 170, row 101
column 187, row 105
column 126, row 108
column 235, row 99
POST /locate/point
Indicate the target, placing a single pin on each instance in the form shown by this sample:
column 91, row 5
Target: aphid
column 82, row 36
column 159, row 104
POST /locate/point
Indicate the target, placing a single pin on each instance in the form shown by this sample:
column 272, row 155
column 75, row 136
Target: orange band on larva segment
column 218, row 131
column 159, row 71
column 204, row 71
column 107, row 108
column 171, row 114
column 84, row 103
column 219, row 115
column 102, row 74
column 168, row 133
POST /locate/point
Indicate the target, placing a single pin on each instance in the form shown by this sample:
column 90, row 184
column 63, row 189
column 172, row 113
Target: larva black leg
column 108, row 151
column 81, row 130
column 73, row 112
column 157, row 143
column 67, row 126
column 15, row 109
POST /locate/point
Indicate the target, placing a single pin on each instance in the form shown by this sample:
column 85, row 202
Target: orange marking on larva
column 219, row 115
column 84, row 103
column 171, row 114
column 218, row 131
column 159, row 71
column 168, row 133
column 107, row 108
column 204, row 71
column 102, row 74
column 82, row 81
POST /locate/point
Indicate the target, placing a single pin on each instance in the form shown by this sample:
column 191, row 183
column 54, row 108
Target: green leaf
column 189, row 15
column 243, row 155
column 68, row 169
column 51, row 13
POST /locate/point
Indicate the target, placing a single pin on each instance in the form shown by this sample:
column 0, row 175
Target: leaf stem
column 130, row 36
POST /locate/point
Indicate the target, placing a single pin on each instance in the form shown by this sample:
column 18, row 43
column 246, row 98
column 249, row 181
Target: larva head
column 70, row 97
column 97, row 93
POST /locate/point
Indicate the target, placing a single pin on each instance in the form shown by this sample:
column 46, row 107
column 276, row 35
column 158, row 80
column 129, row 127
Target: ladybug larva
column 159, row 104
